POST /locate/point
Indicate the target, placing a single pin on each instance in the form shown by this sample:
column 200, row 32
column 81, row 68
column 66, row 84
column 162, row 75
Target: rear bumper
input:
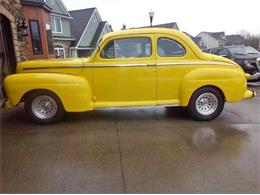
column 249, row 94
column 254, row 77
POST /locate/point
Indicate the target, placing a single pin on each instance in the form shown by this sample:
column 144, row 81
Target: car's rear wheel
column 44, row 107
column 206, row 104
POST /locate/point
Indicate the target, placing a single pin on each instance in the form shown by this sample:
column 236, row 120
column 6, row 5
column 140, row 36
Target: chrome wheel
column 206, row 104
column 44, row 107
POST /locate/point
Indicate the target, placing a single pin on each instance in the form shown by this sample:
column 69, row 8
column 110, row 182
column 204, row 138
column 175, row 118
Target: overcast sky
column 192, row 16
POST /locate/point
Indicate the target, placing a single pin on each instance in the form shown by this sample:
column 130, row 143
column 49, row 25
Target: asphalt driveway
column 147, row 150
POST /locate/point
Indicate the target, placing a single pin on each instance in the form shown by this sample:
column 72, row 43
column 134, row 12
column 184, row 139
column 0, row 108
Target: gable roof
column 234, row 39
column 171, row 25
column 215, row 35
column 58, row 8
column 36, row 3
column 98, row 34
column 167, row 25
column 80, row 20
column 195, row 39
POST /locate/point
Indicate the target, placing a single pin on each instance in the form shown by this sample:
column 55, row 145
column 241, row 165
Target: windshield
column 243, row 50
column 238, row 51
column 251, row 50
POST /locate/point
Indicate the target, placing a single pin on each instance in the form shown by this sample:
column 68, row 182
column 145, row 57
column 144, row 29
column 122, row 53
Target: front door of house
column 7, row 55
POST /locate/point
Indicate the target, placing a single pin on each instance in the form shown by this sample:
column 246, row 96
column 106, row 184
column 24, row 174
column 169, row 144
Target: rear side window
column 214, row 51
column 169, row 48
column 127, row 48
column 223, row 52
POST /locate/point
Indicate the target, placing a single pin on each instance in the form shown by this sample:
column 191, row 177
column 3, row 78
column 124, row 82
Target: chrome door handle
column 151, row 65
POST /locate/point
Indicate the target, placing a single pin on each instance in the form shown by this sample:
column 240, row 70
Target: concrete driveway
column 147, row 150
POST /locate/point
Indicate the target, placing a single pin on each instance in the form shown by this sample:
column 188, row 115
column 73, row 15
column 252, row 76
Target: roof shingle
column 80, row 20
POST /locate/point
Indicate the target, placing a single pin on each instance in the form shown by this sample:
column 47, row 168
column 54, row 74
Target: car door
column 173, row 56
column 124, row 72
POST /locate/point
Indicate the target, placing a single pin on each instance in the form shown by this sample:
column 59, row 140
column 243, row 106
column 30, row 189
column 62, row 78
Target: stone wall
column 12, row 9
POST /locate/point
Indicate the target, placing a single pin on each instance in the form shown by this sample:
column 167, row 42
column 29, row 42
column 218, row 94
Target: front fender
column 74, row 92
column 231, row 81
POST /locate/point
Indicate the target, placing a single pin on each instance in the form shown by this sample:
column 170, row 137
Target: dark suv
column 247, row 57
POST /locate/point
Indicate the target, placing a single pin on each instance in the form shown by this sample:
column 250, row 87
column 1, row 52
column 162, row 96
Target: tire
column 44, row 107
column 206, row 104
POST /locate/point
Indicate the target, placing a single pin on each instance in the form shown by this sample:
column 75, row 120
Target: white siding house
column 212, row 39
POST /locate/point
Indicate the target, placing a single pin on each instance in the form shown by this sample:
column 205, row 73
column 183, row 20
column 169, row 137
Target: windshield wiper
column 252, row 53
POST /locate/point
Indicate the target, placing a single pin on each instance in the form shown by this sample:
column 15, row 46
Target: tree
column 252, row 40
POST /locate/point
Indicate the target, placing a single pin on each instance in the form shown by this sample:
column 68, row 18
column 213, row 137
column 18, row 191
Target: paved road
column 152, row 150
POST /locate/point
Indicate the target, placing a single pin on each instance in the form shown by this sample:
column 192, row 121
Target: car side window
column 169, row 48
column 214, row 51
column 223, row 52
column 127, row 48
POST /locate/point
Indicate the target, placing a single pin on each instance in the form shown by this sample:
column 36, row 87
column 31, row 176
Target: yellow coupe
column 139, row 67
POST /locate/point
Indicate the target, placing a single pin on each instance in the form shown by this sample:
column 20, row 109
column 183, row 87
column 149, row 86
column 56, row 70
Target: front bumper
column 3, row 103
column 6, row 104
column 254, row 77
column 249, row 94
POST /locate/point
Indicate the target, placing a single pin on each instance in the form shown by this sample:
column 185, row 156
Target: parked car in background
column 138, row 67
column 247, row 57
column 207, row 50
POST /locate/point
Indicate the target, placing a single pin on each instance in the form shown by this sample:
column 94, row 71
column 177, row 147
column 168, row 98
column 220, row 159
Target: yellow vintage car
column 138, row 67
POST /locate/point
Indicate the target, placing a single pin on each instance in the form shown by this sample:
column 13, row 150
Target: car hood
column 246, row 57
column 71, row 66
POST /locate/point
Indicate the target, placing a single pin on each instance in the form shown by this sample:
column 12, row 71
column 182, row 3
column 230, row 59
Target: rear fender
column 231, row 82
column 74, row 92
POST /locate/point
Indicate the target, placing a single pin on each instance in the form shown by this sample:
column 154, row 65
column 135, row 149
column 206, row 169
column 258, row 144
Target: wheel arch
column 186, row 95
column 26, row 94
column 214, row 87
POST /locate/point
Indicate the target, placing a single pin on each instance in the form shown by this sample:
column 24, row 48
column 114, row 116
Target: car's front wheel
column 206, row 104
column 44, row 107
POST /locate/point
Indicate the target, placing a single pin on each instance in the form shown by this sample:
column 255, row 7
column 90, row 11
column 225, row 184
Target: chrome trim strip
column 54, row 67
column 136, row 65
column 195, row 63
column 258, row 63
column 120, row 65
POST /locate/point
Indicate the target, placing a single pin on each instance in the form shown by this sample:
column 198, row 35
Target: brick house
column 15, row 47
column 37, row 16
column 12, row 48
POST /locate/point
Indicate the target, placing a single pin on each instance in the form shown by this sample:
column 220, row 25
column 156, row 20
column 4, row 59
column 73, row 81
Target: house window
column 59, row 51
column 36, row 37
column 57, row 25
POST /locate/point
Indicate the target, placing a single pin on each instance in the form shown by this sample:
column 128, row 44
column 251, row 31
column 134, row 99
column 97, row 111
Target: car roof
column 139, row 31
column 233, row 46
column 144, row 31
